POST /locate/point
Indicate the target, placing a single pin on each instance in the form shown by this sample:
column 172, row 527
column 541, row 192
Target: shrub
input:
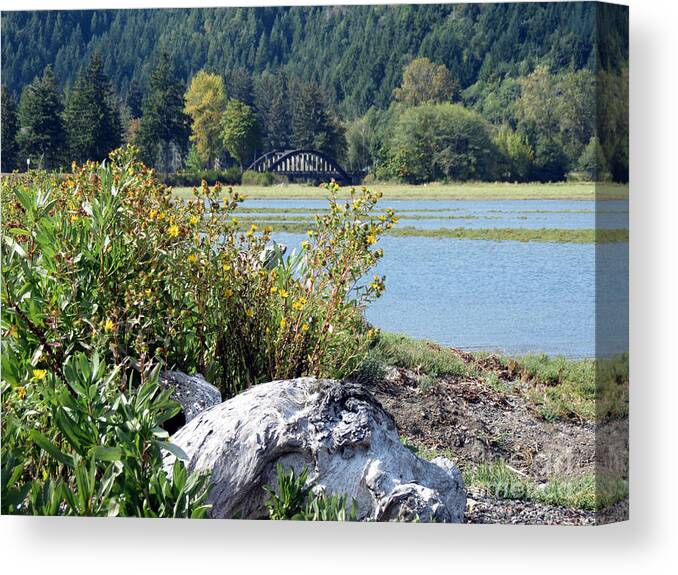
column 112, row 263
column 88, row 443
column 229, row 177
column 107, row 264
column 252, row 178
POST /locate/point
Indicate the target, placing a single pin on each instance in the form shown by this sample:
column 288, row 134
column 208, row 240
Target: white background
column 647, row 543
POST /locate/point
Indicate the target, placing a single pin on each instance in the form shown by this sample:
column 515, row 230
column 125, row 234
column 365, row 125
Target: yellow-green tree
column 426, row 82
column 205, row 104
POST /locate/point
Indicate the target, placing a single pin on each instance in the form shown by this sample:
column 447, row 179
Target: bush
column 252, row 178
column 107, row 265
column 89, row 443
column 230, row 177
column 112, row 263
column 294, row 500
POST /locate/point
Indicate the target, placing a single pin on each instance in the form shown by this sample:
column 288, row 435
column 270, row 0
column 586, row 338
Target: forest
column 513, row 92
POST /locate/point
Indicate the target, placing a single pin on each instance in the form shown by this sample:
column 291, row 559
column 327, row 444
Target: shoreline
column 441, row 191
column 523, row 430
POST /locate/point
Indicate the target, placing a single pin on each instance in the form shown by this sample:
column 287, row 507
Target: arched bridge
column 302, row 165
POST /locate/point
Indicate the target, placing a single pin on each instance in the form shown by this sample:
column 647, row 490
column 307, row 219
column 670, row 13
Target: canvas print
column 322, row 263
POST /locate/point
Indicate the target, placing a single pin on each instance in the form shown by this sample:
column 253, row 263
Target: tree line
column 513, row 110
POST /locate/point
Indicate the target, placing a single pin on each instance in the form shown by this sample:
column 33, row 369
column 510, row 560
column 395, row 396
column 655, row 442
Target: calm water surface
column 511, row 297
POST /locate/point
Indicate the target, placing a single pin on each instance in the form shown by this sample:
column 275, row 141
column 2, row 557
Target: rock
column 193, row 392
column 338, row 431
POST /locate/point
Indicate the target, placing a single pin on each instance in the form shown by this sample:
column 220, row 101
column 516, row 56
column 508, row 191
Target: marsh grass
column 548, row 235
column 497, row 479
column 452, row 191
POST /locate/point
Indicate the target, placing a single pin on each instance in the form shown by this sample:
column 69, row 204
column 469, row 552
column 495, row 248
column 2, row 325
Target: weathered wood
column 338, row 431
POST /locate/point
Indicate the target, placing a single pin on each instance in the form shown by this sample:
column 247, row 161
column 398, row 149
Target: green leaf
column 172, row 448
column 41, row 441
column 106, row 453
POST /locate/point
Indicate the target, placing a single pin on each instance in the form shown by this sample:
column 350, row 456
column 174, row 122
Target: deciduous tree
column 239, row 131
column 426, row 82
column 205, row 104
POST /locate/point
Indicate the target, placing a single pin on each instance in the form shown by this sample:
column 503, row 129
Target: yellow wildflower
column 74, row 218
column 173, row 231
column 268, row 229
column 249, row 312
column 283, row 323
column 153, row 213
column 299, row 303
column 194, row 220
column 226, row 267
column 284, row 293
column 228, row 292
column 39, row 374
column 310, row 233
column 192, row 258
column 304, row 244
column 250, row 232
column 21, row 391
column 108, row 326
column 371, row 239
column 304, row 327
column 235, row 221
column 274, row 289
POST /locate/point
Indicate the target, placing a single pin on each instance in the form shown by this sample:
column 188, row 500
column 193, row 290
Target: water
column 505, row 296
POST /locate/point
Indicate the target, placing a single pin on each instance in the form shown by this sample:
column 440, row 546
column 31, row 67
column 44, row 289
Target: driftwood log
column 336, row 430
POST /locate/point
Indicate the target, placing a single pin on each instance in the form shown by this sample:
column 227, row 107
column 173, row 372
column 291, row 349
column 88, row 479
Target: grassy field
column 445, row 191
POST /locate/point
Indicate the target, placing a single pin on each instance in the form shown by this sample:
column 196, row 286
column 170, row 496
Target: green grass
column 585, row 389
column 500, row 481
column 446, row 191
column 583, row 492
column 421, row 356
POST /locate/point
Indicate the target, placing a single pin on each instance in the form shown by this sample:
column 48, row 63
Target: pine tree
column 42, row 137
column 273, row 114
column 134, row 99
column 92, row 118
column 9, row 145
column 312, row 125
column 164, row 127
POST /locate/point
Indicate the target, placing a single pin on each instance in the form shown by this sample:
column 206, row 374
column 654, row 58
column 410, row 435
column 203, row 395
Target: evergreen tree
column 92, row 118
column 273, row 115
column 134, row 99
column 164, row 127
column 9, row 129
column 239, row 85
column 42, row 137
column 312, row 125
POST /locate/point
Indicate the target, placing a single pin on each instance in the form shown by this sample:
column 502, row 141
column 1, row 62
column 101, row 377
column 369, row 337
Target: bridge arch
column 301, row 164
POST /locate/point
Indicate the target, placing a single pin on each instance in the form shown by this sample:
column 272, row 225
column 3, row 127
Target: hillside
column 355, row 53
